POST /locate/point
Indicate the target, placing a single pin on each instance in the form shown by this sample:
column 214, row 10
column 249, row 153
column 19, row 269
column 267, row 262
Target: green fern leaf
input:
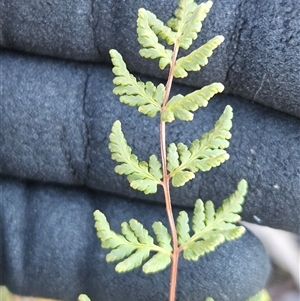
column 141, row 175
column 162, row 31
column 149, row 40
column 155, row 167
column 133, row 246
column 233, row 205
column 133, row 261
column 157, row 263
column 197, row 58
column 181, row 106
column 188, row 21
column 128, row 233
column 262, row 295
column 162, row 236
column 120, row 253
column 140, row 232
column 181, row 177
column 203, row 154
column 198, row 217
column 182, row 227
column 109, row 239
column 83, row 297
column 209, row 213
column 210, row 227
column 199, row 248
column 172, row 157
column 181, row 16
column 146, row 96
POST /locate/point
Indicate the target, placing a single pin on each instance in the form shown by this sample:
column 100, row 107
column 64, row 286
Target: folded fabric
column 51, row 250
column 259, row 59
column 57, row 116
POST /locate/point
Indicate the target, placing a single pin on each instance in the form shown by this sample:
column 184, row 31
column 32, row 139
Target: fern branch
column 203, row 154
column 181, row 106
column 212, row 228
column 196, row 59
column 141, row 175
column 188, row 21
column 146, row 96
column 147, row 30
column 134, row 245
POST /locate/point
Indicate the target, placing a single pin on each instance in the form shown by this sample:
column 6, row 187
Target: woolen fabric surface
column 51, row 250
column 57, row 117
column 259, row 59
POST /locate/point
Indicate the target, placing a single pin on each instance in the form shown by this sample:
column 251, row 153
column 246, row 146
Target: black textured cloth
column 259, row 59
column 52, row 250
column 57, row 117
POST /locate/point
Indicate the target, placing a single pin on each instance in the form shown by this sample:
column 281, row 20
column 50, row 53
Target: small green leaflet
column 210, row 227
column 181, row 106
column 83, row 297
column 141, row 175
column 197, row 58
column 262, row 295
column 188, row 21
column 148, row 27
column 146, row 96
column 157, row 26
column 184, row 162
column 133, row 246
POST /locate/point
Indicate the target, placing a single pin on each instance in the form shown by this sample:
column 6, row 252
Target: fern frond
column 146, row 96
column 197, row 58
column 181, row 106
column 141, row 175
column 148, row 39
column 188, row 21
column 213, row 228
column 203, row 154
column 134, row 245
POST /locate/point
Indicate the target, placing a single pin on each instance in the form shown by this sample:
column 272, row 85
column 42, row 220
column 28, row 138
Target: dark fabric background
column 57, row 109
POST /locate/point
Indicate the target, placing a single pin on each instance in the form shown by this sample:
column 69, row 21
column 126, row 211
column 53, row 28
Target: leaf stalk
column 166, row 181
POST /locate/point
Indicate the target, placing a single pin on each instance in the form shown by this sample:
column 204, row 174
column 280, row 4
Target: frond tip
column 148, row 28
column 141, row 175
column 210, row 227
column 133, row 246
column 187, row 21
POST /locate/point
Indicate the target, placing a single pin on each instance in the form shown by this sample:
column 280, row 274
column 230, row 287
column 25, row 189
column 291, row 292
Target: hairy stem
column 166, row 183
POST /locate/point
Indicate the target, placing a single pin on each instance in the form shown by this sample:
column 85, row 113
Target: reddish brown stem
column 165, row 184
